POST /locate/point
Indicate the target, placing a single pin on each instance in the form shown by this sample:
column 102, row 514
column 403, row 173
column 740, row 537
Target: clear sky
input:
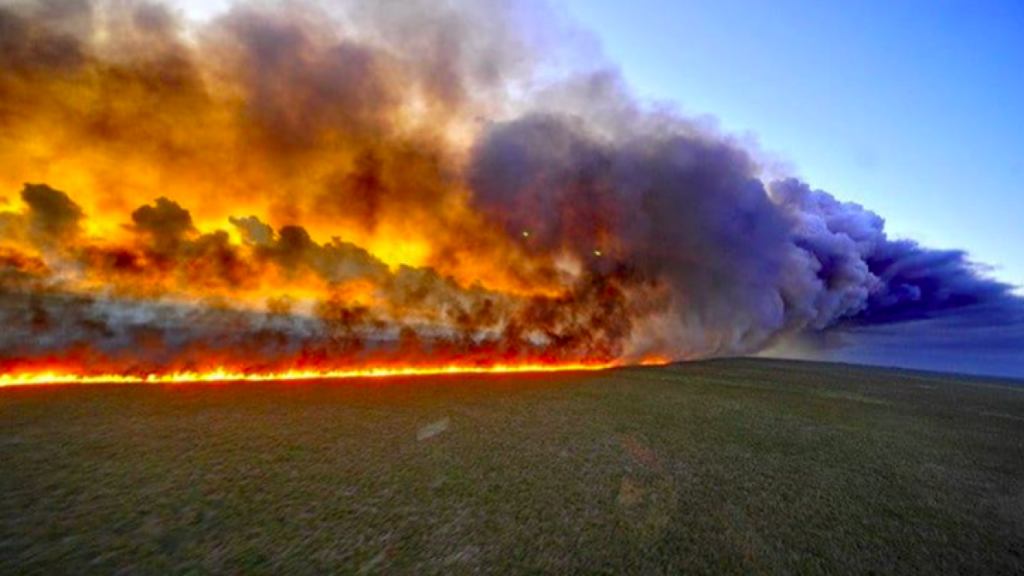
column 914, row 108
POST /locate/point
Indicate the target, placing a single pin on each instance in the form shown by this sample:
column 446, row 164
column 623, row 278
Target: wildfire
column 189, row 205
column 223, row 375
column 303, row 190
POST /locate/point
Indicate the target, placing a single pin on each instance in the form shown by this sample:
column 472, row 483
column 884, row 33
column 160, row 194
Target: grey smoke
column 750, row 264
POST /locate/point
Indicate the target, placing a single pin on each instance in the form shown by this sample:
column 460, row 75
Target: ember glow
column 372, row 188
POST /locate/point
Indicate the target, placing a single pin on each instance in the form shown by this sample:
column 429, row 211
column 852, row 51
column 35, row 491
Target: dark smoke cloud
column 52, row 214
column 748, row 264
column 30, row 43
column 891, row 281
column 907, row 305
column 165, row 224
column 674, row 208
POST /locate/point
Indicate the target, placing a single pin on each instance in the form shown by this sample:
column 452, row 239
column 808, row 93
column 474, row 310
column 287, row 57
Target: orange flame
column 223, row 375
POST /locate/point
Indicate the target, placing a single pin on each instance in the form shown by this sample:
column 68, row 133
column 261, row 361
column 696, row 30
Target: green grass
column 740, row 466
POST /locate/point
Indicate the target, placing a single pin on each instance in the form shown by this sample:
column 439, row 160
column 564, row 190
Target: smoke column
column 306, row 187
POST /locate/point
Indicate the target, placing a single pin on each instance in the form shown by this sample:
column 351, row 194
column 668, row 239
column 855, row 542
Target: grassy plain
column 733, row 466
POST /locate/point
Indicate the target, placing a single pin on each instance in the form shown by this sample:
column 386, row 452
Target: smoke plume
column 306, row 187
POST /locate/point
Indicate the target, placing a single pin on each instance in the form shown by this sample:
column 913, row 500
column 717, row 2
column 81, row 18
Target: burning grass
column 223, row 375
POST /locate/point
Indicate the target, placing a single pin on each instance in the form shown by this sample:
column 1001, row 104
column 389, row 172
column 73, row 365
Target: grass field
column 739, row 466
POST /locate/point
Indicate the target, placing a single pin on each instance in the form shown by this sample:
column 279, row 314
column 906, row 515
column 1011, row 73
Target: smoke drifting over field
column 406, row 183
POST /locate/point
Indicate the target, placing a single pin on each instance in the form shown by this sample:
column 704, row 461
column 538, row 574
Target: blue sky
column 913, row 108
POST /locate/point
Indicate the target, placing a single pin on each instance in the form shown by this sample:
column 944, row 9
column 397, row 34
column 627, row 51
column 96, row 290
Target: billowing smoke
column 377, row 182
